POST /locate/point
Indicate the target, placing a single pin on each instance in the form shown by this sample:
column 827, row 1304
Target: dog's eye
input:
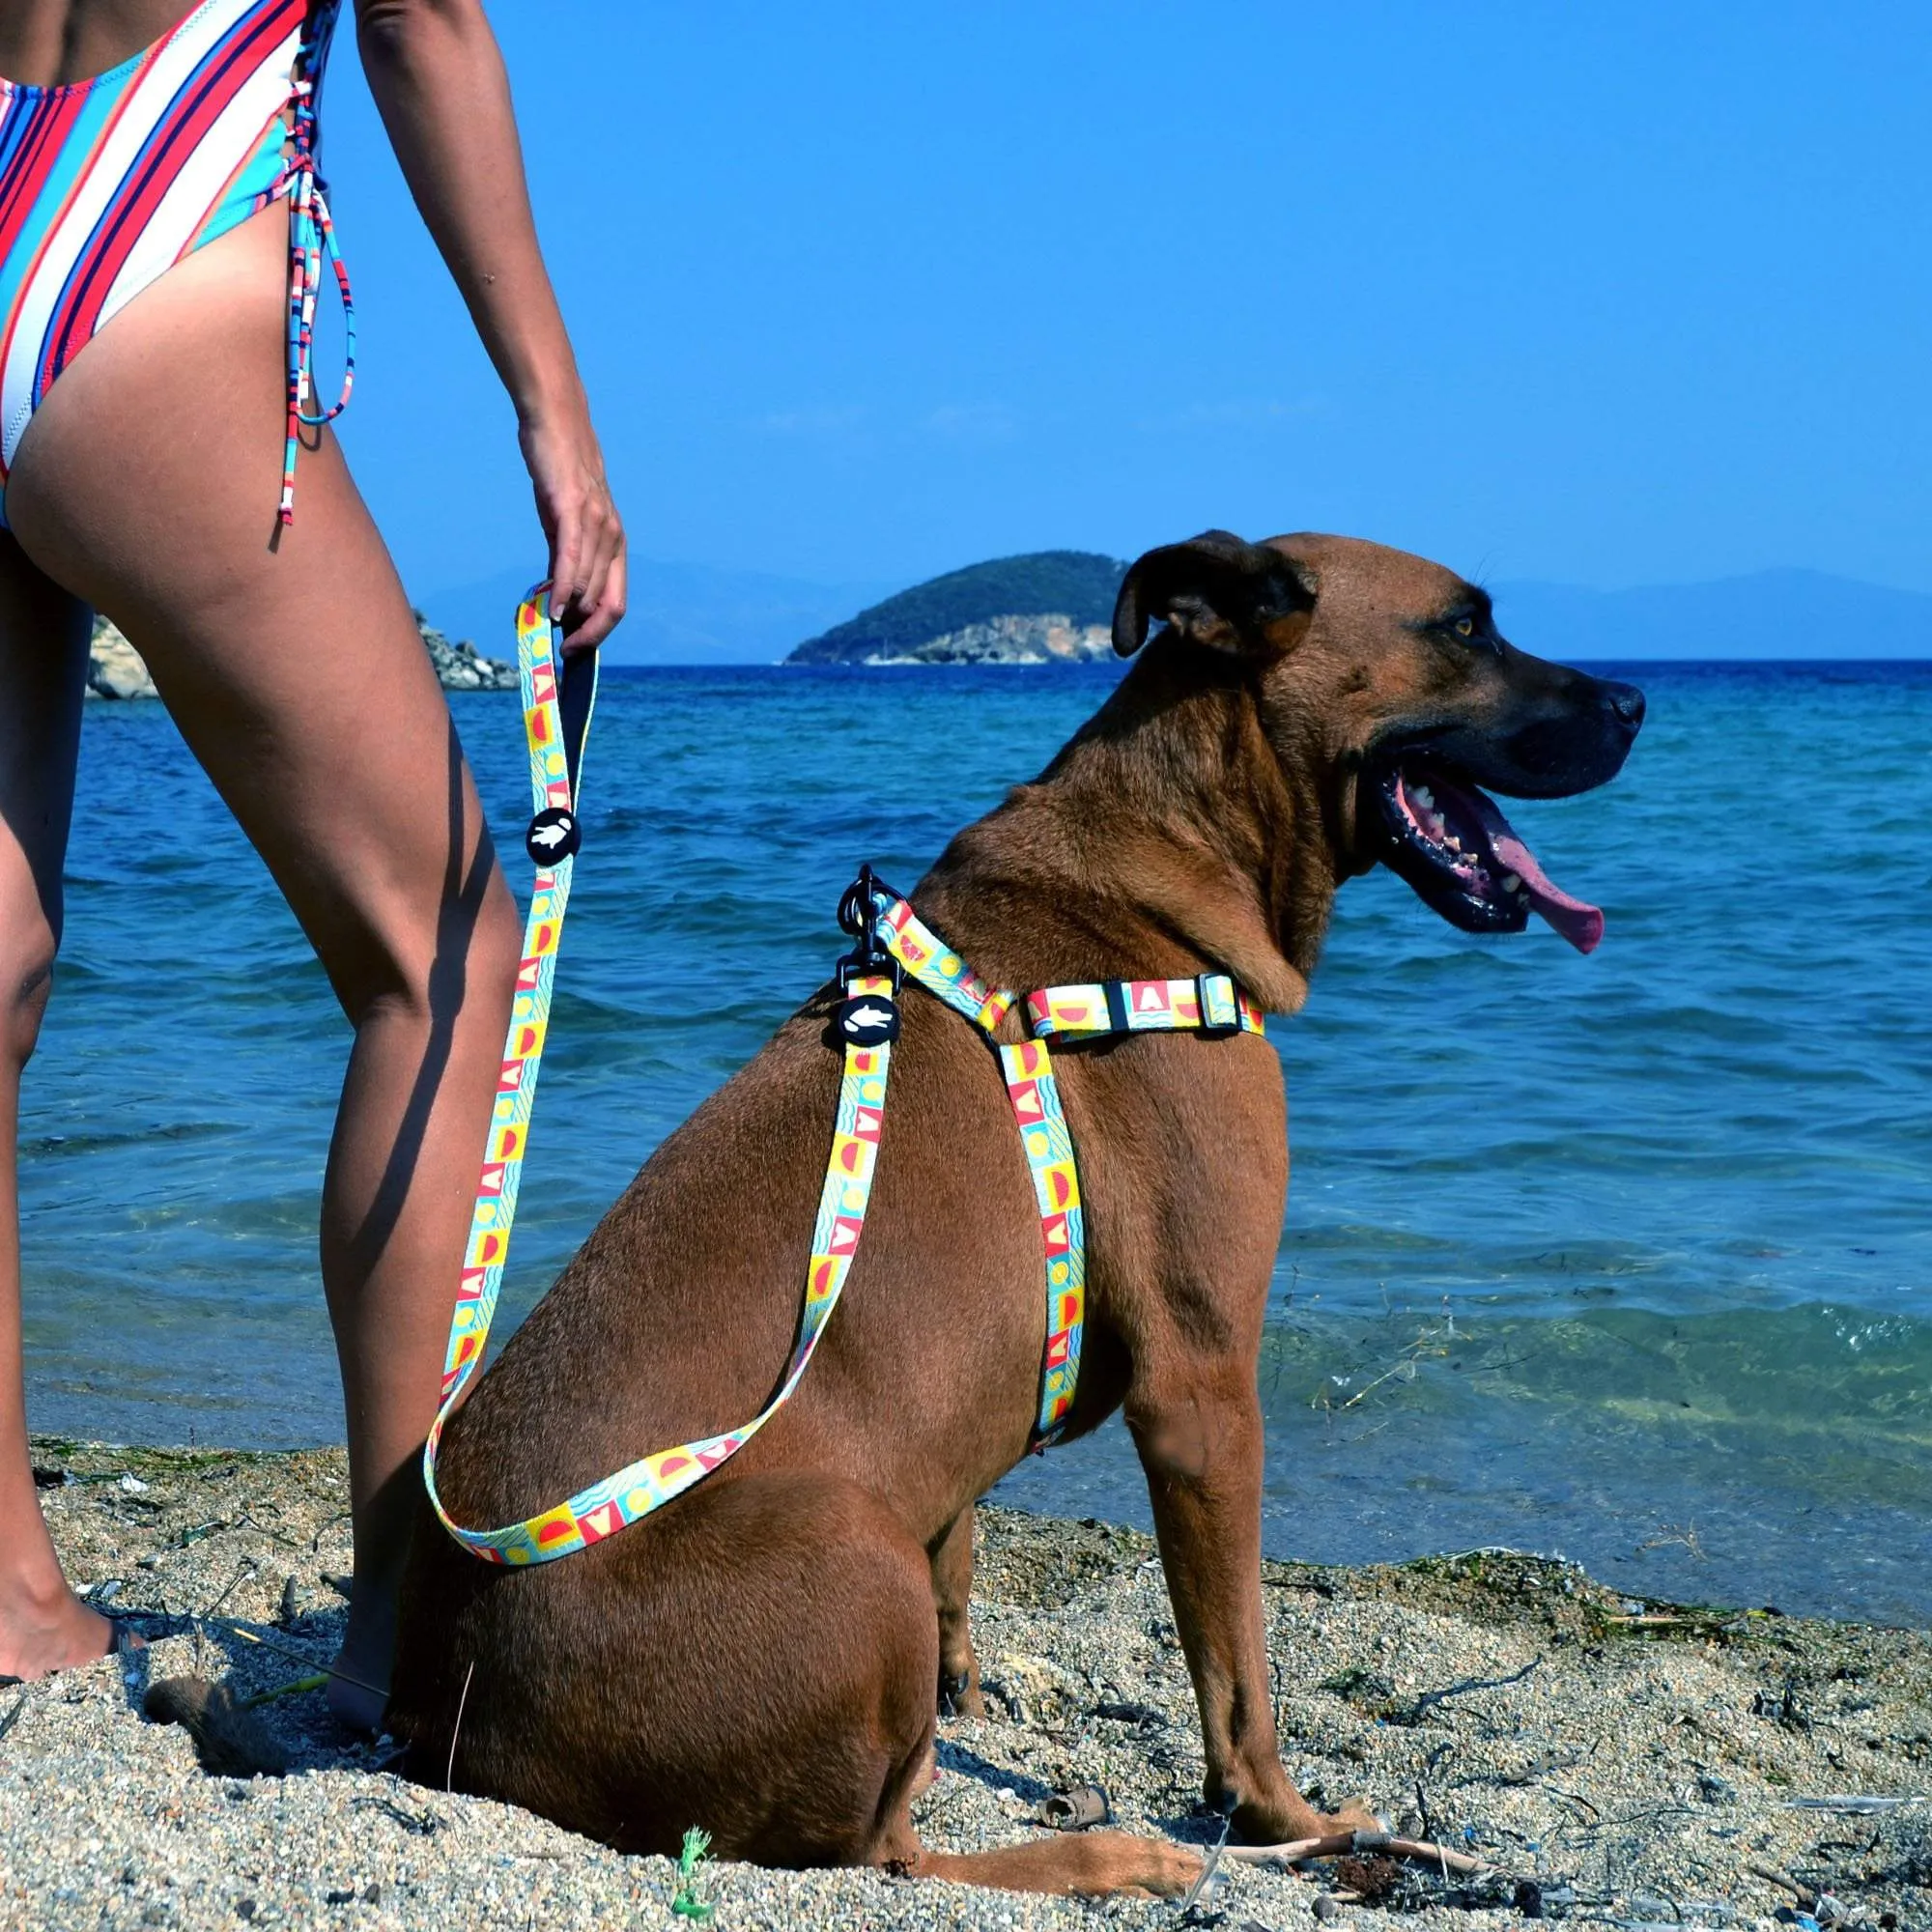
column 1465, row 627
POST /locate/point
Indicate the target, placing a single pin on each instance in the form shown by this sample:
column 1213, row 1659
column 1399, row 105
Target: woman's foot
column 354, row 1704
column 43, row 1629
column 359, row 1680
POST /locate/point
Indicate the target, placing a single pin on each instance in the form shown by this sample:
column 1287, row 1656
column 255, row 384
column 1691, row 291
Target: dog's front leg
column 951, row 1596
column 1198, row 1428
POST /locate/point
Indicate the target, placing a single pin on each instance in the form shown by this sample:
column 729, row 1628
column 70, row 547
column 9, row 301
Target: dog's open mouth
column 1464, row 859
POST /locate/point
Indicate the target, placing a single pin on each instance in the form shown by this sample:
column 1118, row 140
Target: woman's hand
column 585, row 535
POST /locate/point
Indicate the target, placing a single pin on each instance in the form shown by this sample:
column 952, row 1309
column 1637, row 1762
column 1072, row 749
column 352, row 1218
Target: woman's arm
column 438, row 80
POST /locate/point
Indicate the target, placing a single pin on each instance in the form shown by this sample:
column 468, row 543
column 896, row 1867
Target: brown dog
column 761, row 1656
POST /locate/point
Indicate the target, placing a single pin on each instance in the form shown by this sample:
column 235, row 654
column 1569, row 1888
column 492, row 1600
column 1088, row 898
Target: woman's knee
column 448, row 961
column 26, row 982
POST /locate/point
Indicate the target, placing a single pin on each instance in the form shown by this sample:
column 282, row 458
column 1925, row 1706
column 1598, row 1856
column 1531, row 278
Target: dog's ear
column 1216, row 589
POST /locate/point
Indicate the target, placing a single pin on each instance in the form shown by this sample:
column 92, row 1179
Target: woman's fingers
column 589, row 544
column 564, row 550
column 585, row 534
column 603, row 601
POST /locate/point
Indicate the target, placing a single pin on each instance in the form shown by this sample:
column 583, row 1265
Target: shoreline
column 1652, row 1762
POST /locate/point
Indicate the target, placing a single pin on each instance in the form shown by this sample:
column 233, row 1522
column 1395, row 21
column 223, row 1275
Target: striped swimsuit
column 106, row 184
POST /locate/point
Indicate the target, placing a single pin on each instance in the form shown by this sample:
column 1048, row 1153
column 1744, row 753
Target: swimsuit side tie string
column 311, row 239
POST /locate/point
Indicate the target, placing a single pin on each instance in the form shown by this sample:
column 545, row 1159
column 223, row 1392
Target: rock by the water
column 461, row 665
column 115, row 669
column 1053, row 637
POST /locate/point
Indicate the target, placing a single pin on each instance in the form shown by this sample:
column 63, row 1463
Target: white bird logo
column 551, row 837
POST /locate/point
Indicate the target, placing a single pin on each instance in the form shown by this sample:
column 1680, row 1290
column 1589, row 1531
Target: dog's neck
column 1170, row 804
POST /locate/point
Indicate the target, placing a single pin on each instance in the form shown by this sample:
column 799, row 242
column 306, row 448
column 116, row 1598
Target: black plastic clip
column 1217, row 1029
column 860, row 914
column 869, row 1019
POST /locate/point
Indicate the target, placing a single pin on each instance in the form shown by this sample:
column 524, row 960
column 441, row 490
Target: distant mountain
column 681, row 613
column 697, row 614
column 1774, row 613
column 1047, row 605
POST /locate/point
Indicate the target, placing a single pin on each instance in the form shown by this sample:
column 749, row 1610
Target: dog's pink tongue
column 1578, row 922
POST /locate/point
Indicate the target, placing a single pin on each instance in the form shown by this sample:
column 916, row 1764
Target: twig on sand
column 245, row 1569
column 1430, row 1698
column 13, row 1711
column 1855, row 1803
column 1574, row 1798
column 456, row 1729
column 1338, row 1844
column 1783, row 1879
column 235, row 1627
column 315, row 1541
column 1710, row 1624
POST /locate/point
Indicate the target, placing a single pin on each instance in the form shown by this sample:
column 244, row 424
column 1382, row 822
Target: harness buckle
column 860, row 914
column 1217, row 1029
column 867, row 961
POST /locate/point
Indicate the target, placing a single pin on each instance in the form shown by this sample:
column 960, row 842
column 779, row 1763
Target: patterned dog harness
column 892, row 941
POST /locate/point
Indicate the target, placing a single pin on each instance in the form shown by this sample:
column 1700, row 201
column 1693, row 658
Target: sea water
column 1628, row 1257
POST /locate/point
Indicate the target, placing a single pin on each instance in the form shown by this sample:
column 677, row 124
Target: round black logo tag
column 867, row 1020
column 553, row 836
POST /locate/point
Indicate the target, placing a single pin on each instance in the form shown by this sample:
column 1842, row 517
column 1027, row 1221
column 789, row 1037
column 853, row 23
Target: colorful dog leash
column 890, row 941
column 555, row 727
column 560, row 694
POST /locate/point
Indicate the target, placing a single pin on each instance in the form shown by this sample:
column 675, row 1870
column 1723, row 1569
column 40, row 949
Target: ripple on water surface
column 1671, row 1197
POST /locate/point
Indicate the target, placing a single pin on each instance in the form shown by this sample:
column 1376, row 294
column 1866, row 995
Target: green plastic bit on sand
column 319, row 1681
column 686, row 1904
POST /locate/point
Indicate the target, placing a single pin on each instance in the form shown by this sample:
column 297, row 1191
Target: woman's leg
column 147, row 485
column 42, row 670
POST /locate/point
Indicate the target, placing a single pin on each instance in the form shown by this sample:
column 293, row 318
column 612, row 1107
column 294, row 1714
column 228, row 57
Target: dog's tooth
column 1511, row 883
column 1423, row 797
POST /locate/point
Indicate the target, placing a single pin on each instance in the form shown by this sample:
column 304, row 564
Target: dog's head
column 1384, row 678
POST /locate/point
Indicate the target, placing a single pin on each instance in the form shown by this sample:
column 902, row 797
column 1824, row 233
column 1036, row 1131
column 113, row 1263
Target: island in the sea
column 1048, row 607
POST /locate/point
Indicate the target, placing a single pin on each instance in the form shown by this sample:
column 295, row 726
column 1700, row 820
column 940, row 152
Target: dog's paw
column 959, row 1693
column 1288, row 1819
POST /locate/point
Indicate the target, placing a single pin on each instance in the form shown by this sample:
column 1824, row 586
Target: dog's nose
column 1625, row 702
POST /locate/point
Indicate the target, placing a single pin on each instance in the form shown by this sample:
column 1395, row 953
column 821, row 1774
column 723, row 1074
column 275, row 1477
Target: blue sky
column 863, row 292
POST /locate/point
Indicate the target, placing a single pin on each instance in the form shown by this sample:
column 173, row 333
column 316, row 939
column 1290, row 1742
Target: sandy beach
column 1615, row 1761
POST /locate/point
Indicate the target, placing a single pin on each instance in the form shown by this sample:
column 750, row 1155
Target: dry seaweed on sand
column 1656, row 1764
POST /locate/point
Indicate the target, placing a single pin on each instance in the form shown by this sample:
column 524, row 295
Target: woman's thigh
column 147, row 484
column 42, row 657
